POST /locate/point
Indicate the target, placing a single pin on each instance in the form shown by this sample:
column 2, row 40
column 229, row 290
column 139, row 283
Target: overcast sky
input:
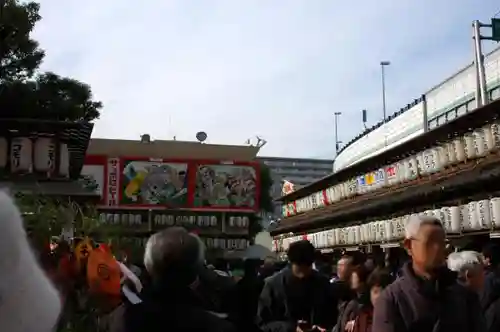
column 240, row 68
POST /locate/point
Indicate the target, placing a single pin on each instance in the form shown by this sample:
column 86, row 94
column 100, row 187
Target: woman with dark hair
column 376, row 282
column 358, row 284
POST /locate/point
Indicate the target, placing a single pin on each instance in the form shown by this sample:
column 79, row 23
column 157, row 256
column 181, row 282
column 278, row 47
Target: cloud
column 235, row 69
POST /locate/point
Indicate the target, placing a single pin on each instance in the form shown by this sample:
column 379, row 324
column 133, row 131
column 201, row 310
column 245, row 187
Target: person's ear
column 407, row 246
column 468, row 275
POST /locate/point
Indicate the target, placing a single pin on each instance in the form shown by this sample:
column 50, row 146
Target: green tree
column 46, row 216
column 25, row 92
column 20, row 55
column 266, row 182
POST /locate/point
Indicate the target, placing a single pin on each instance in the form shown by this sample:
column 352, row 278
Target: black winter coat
column 169, row 309
column 490, row 301
column 411, row 304
column 278, row 303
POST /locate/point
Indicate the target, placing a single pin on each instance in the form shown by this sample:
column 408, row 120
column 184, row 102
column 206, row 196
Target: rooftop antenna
column 364, row 118
column 260, row 142
column 170, row 126
column 337, row 142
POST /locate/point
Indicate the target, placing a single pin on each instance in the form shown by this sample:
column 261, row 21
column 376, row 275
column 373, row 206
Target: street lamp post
column 383, row 64
column 337, row 142
column 482, row 96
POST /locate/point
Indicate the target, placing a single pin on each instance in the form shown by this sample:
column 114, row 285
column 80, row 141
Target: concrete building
column 446, row 101
column 299, row 171
column 171, row 149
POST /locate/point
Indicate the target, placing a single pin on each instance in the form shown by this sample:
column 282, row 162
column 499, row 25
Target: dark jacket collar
column 444, row 279
column 171, row 295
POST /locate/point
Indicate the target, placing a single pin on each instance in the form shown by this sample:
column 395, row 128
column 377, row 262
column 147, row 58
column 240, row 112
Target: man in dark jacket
column 425, row 298
column 173, row 258
column 246, row 297
column 297, row 298
column 490, row 297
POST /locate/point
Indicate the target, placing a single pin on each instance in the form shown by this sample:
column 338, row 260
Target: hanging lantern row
column 457, row 220
column 27, row 155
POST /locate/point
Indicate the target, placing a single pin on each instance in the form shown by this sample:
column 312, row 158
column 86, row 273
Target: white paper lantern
column 369, row 232
column 347, row 235
column 421, row 164
column 443, row 156
column 430, row 160
column 456, row 220
column 320, row 242
column 495, row 212
column 411, row 168
column 464, row 217
column 381, row 178
column 483, row 211
column 351, row 235
column 20, row 155
column 446, row 219
column 357, row 234
column 480, row 146
column 435, row 161
column 337, row 236
column 388, row 230
column 375, row 231
column 4, row 148
column 459, row 148
column 401, row 171
column 382, row 231
column 489, row 141
column 438, row 214
column 45, row 154
column 473, row 220
column 312, row 239
column 495, row 132
column 330, row 238
column 391, row 174
column 63, row 160
column 470, row 151
column 343, row 190
column 362, row 187
column 396, row 228
column 342, row 236
column 362, row 237
column 452, row 153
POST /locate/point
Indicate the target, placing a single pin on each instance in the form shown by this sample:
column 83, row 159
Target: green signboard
column 495, row 28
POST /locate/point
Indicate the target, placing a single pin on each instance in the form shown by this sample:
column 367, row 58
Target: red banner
column 178, row 184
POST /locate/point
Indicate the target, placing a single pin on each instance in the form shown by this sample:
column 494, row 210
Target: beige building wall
column 171, row 150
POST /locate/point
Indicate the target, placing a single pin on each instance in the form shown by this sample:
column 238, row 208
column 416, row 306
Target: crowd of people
column 433, row 291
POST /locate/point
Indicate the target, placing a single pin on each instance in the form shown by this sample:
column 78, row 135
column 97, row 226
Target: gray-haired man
column 425, row 297
column 173, row 258
column 469, row 266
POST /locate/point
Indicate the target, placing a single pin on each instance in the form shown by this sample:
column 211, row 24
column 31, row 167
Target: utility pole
column 3, row 31
column 383, row 64
column 482, row 97
column 337, row 142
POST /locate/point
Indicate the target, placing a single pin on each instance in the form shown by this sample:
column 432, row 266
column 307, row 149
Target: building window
column 433, row 124
column 461, row 110
column 451, row 115
column 495, row 93
column 471, row 105
column 442, row 120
